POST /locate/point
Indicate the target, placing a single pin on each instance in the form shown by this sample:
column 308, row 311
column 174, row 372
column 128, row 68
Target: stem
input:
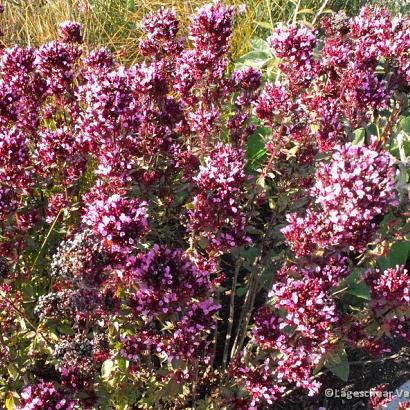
column 231, row 313
column 250, row 294
column 46, row 239
column 320, row 11
column 295, row 14
column 390, row 123
column 247, row 308
column 402, row 186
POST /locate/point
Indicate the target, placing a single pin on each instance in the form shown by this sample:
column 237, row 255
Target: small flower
column 70, row 32
column 119, row 221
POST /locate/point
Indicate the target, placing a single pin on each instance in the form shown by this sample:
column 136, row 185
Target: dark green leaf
column 339, row 365
column 361, row 290
column 398, row 255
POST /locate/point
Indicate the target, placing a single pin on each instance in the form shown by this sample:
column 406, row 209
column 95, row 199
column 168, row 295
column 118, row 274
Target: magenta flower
column 119, row 221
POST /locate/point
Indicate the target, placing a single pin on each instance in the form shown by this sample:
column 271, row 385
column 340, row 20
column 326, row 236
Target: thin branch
column 320, row 11
column 231, row 312
column 46, row 238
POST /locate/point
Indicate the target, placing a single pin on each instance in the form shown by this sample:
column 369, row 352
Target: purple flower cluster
column 162, row 34
column 339, row 84
column 44, row 395
column 8, row 201
column 308, row 309
column 259, row 382
column 350, row 191
column 377, row 35
column 58, row 150
column 294, row 46
column 390, row 289
column 297, row 329
column 119, row 221
column 165, row 283
column 55, row 62
column 167, row 280
column 217, row 215
column 70, row 32
column 14, row 158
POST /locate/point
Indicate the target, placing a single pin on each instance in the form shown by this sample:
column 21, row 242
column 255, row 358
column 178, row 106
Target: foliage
column 176, row 234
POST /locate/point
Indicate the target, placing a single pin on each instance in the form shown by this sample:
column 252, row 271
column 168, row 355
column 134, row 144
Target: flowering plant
column 179, row 234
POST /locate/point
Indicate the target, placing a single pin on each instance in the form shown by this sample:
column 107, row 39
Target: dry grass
column 115, row 23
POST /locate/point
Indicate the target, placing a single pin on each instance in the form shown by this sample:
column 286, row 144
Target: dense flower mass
column 295, row 45
column 166, row 281
column 70, row 32
column 351, row 191
column 181, row 233
column 81, row 257
column 390, row 289
column 44, row 395
column 217, row 214
column 118, row 220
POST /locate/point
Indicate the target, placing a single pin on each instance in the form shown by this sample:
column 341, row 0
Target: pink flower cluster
column 70, row 32
column 167, row 280
column 350, row 191
column 162, row 31
column 336, row 86
column 296, row 330
column 390, row 289
column 119, row 221
column 210, row 31
column 166, row 283
column 44, row 395
column 14, row 158
column 58, row 150
column 294, row 46
column 308, row 309
column 217, row 215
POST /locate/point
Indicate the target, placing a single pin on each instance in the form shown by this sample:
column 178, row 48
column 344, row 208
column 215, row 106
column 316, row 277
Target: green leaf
column 371, row 129
column 359, row 135
column 264, row 24
column 361, row 290
column 13, row 371
column 398, row 255
column 241, row 291
column 339, row 365
column 255, row 59
column 353, row 278
column 258, row 44
column 405, row 124
column 66, row 330
column 255, row 147
column 106, row 368
column 123, row 364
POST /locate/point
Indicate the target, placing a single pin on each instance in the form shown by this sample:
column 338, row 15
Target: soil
column 363, row 376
